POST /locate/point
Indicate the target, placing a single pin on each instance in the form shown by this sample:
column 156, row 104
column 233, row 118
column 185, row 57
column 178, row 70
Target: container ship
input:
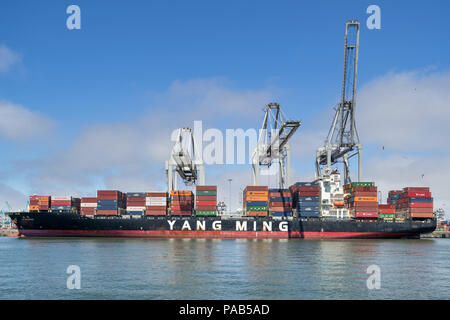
column 307, row 210
column 321, row 209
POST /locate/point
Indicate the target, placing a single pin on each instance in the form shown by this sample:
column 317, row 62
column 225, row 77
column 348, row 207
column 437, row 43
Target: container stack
column 136, row 203
column 362, row 200
column 110, row 202
column 280, row 202
column 65, row 203
column 156, row 204
column 181, row 202
column 88, row 206
column 394, row 196
column 39, row 203
column 306, row 198
column 256, row 201
column 416, row 203
column 206, row 201
column 386, row 211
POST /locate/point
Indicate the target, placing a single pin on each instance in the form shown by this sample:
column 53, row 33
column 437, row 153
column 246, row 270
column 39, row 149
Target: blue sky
column 135, row 60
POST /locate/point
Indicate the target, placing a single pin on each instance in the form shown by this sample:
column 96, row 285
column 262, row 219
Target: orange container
column 33, row 208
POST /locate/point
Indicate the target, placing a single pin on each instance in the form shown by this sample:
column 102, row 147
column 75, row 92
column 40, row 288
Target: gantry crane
column 343, row 140
column 185, row 161
column 273, row 145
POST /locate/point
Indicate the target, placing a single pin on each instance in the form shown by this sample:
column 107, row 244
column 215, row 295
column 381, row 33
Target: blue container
column 282, row 214
column 306, row 199
column 257, row 203
column 281, row 199
column 136, row 194
column 107, row 207
column 395, row 196
column 308, row 205
column 106, row 202
column 278, row 190
column 308, row 214
column 306, row 184
column 136, row 213
column 61, row 207
column 308, row 208
column 419, row 199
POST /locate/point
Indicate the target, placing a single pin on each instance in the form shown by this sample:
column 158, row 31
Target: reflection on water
column 224, row 269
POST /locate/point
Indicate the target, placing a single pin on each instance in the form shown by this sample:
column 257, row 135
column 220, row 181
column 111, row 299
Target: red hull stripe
column 209, row 234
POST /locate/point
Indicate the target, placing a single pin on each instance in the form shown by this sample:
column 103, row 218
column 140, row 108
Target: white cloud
column 406, row 111
column 130, row 155
column 8, row 58
column 19, row 123
column 397, row 171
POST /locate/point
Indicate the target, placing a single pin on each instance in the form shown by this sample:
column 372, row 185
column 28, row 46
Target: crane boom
column 343, row 140
column 273, row 144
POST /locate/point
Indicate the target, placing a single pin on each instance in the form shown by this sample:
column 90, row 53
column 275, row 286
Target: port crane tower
column 343, row 142
column 185, row 161
column 273, row 146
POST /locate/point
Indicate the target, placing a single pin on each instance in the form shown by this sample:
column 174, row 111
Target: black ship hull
column 68, row 224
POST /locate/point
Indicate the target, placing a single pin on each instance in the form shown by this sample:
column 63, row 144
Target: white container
column 155, row 204
column 65, row 198
column 155, row 199
column 88, row 205
column 135, row 208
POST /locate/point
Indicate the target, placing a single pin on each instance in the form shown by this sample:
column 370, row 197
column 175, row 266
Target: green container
column 363, row 184
column 206, row 193
column 257, row 208
column 387, row 215
column 205, row 213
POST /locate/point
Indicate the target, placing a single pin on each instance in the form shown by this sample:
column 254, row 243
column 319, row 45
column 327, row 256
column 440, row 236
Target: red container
column 416, row 189
column 256, row 188
column 421, row 205
column 206, row 198
column 285, row 194
column 386, row 206
column 107, row 212
column 206, row 208
column 206, row 203
column 155, row 212
column 421, row 215
column 61, row 203
column 387, row 211
column 206, row 188
column 420, row 210
column 155, row 208
column 371, row 204
column 308, row 194
column 365, row 194
column 181, row 207
column 365, row 189
column 156, row 194
column 418, row 194
column 366, row 214
column 89, row 200
column 180, row 213
column 257, row 213
column 281, row 209
column 280, row 204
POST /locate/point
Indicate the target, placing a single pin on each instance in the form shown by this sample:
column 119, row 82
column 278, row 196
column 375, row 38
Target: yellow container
column 180, row 192
column 257, row 198
column 257, row 193
column 365, row 199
